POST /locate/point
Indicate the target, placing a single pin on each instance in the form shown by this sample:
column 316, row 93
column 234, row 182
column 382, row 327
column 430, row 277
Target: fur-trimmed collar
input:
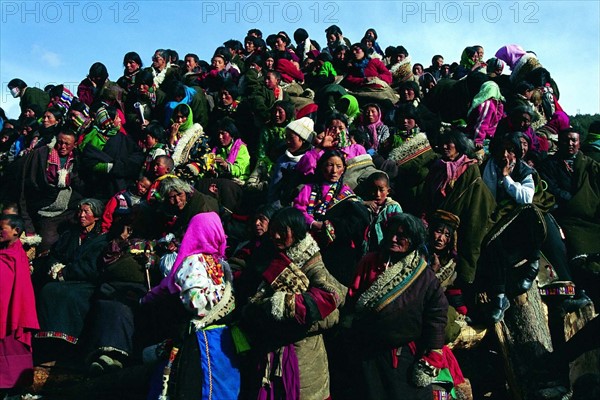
column 303, row 251
column 410, row 149
column 189, row 137
column 527, row 58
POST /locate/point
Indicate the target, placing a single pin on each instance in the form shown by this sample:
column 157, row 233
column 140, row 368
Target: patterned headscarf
column 104, row 122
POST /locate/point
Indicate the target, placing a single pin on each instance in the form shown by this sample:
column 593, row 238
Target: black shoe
column 529, row 275
column 573, row 304
column 499, row 306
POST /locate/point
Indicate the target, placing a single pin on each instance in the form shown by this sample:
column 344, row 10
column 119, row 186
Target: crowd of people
column 289, row 220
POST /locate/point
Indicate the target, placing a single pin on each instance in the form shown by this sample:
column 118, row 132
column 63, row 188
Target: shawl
column 489, row 90
column 450, row 172
column 510, row 54
column 189, row 137
column 65, row 101
column 233, row 151
column 204, row 235
column 465, row 60
column 57, row 175
column 392, row 283
column 104, row 123
column 410, row 149
column 17, row 303
column 360, row 66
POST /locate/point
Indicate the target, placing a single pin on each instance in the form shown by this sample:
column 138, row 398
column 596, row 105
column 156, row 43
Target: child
column 381, row 207
column 154, row 144
column 18, row 315
column 121, row 203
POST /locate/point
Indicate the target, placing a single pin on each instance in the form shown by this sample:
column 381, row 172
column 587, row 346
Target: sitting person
column 122, row 202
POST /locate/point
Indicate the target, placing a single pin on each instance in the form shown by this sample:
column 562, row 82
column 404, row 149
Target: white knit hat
column 303, row 127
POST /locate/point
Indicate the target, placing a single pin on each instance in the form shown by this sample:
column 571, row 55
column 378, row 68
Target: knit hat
column 445, row 217
column 303, row 127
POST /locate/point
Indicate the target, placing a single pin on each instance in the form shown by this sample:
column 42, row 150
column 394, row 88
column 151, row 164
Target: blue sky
column 45, row 42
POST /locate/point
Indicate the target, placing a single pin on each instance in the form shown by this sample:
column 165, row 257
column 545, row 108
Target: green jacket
column 240, row 168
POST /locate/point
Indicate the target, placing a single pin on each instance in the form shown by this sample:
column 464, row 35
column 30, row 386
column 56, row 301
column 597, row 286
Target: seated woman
column 296, row 301
column 186, row 138
column 335, row 137
column 364, row 71
column 202, row 281
column 64, row 302
column 133, row 65
column 372, row 123
column 397, row 315
column 232, row 157
column 454, row 185
column 334, row 216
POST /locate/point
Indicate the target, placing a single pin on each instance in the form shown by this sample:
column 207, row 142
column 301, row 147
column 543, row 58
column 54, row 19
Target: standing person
column 18, row 317
column 133, row 64
column 398, row 317
column 296, row 301
column 29, row 95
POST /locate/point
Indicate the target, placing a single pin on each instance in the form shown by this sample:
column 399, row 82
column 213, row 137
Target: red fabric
column 289, row 72
column 18, row 315
column 375, row 68
column 109, row 209
column 326, row 303
column 306, row 110
column 276, row 267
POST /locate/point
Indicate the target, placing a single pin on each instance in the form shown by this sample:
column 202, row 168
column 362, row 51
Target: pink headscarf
column 559, row 121
column 373, row 127
column 510, row 54
column 204, row 235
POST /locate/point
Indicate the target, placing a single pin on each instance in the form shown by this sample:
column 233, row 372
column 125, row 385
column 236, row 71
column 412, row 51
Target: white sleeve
column 522, row 192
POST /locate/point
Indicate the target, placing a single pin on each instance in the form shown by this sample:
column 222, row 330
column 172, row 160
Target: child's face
column 380, row 192
column 8, row 234
column 441, row 238
column 150, row 141
column 142, row 185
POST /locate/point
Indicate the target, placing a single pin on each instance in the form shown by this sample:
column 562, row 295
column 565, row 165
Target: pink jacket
column 483, row 121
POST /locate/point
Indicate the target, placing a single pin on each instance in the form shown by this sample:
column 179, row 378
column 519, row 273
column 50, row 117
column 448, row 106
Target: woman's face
column 218, row 63
column 372, row 114
column 399, row 242
column 449, row 151
column 226, row 98
column 505, row 154
column 271, row 81
column 282, row 239
column 407, row 94
column 270, row 62
column 337, row 125
column 333, row 169
column 293, row 141
column 279, row 44
column 418, row 70
column 358, row 53
column 49, row 120
column 225, row 138
column 179, row 118
column 131, row 66
column 524, row 146
column 261, row 225
column 177, row 199
column 280, row 115
column 408, row 124
column 86, row 217
column 440, row 238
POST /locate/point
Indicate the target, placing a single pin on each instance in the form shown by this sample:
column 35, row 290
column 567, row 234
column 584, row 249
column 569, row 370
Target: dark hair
column 371, row 30
column 268, row 210
column 410, row 85
column 231, row 88
column 360, row 137
column 327, row 154
column 270, row 40
column 194, row 56
column 184, row 109
column 98, row 70
column 511, row 141
column 133, row 56
column 435, row 58
column 412, row 228
column 406, row 110
column 284, row 38
column 300, row 35
column 144, row 77
column 156, row 130
column 377, row 176
column 233, row 44
column 57, row 112
column 255, row 31
column 17, row 83
column 172, row 56
column 333, row 30
column 252, row 39
column 402, row 50
column 336, row 115
column 361, row 46
column 228, row 125
column 289, row 217
column 14, row 221
column 417, row 65
column 254, row 59
column 288, row 108
column 523, row 86
column 462, row 144
column 277, row 74
column 222, row 52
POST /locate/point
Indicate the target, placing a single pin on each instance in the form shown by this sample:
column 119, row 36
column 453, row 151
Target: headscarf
column 348, row 105
column 466, row 58
column 373, row 127
column 510, row 54
column 489, row 90
column 188, row 123
column 104, row 123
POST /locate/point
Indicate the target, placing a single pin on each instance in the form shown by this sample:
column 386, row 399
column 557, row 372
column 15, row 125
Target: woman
column 294, row 303
column 133, row 64
column 372, row 123
column 366, row 72
column 335, row 138
column 454, row 184
column 271, row 143
column 469, row 61
column 186, row 139
column 110, row 158
column 398, row 317
column 334, row 215
column 487, row 109
column 64, row 302
column 232, row 157
column 201, row 278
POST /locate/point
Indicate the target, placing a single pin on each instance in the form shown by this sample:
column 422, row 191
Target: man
column 435, row 68
column 574, row 180
column 29, row 96
column 50, row 188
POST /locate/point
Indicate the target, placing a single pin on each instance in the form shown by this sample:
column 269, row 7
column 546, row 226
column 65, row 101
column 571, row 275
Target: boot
column 528, row 276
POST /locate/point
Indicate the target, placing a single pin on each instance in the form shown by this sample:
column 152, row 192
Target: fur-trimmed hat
column 303, row 127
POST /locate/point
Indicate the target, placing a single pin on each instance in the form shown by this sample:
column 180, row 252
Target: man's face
column 569, row 144
column 64, row 144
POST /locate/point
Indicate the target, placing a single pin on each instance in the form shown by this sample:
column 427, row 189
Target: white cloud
column 48, row 57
